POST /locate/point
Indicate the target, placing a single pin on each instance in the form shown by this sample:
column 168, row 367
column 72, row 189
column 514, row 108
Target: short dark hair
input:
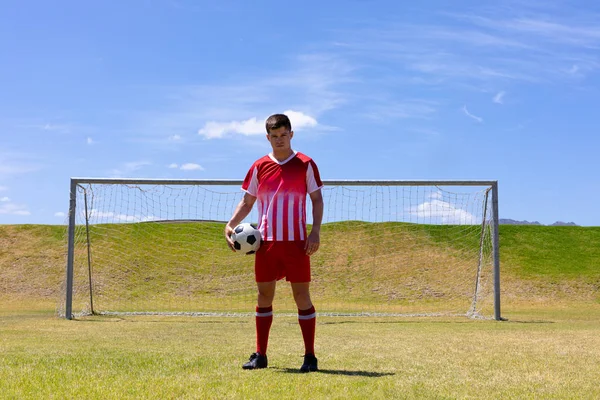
column 277, row 121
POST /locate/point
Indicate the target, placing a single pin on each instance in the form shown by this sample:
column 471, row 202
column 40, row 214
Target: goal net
column 387, row 248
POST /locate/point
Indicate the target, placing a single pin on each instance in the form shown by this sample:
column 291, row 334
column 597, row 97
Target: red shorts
column 276, row 260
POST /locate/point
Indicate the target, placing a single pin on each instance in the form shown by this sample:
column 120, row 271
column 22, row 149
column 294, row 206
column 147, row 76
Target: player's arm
column 241, row 211
column 314, row 238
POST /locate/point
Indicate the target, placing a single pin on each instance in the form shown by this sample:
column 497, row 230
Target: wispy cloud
column 311, row 84
column 14, row 163
column 128, row 168
column 492, row 46
column 90, row 141
column 186, row 167
column 573, row 70
column 386, row 109
column 499, row 98
column 468, row 114
column 191, row 167
column 63, row 128
column 9, row 208
column 569, row 30
column 50, row 127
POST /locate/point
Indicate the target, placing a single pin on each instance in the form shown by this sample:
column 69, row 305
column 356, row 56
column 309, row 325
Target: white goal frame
column 491, row 184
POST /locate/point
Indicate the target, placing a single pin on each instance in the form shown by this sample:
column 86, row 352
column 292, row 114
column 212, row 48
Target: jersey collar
column 272, row 157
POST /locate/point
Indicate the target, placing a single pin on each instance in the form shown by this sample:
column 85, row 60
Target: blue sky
column 505, row 90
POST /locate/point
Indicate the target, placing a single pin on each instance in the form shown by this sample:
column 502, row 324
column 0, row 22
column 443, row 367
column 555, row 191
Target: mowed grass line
column 197, row 358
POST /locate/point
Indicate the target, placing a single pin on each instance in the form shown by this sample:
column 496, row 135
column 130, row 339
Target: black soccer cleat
column 310, row 363
column 257, row 361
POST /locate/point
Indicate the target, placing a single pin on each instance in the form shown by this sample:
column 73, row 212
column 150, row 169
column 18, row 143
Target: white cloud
column 90, row 140
column 313, row 83
column 468, row 114
column 247, row 127
column 186, row 167
column 436, row 195
column 115, row 217
column 59, row 214
column 444, row 212
column 499, row 98
column 191, row 167
column 14, row 209
column 300, row 120
column 253, row 126
column 4, row 199
column 175, row 138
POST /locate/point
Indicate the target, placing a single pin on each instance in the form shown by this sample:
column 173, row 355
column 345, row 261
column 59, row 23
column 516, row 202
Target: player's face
column 280, row 139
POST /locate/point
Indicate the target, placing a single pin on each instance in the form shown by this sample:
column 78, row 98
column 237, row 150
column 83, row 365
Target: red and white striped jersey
column 280, row 188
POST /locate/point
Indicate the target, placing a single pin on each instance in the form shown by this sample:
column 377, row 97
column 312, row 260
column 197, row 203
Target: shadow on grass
column 338, row 372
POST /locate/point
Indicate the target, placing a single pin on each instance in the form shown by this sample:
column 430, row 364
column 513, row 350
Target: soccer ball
column 246, row 238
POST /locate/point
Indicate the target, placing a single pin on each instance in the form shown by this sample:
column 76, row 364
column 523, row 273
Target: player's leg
column 264, row 319
column 307, row 318
column 265, row 274
column 264, row 315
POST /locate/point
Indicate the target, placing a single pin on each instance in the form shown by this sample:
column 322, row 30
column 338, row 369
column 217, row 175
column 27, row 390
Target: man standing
column 280, row 181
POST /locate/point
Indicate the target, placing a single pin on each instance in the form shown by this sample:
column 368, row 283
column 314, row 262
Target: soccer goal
column 388, row 248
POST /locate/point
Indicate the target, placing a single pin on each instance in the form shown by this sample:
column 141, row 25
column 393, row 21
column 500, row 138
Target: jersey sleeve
column 313, row 178
column 250, row 184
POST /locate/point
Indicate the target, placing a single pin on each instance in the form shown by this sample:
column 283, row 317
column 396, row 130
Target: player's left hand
column 312, row 243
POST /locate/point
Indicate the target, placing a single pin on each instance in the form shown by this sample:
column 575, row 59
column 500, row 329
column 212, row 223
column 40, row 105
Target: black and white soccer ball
column 246, row 238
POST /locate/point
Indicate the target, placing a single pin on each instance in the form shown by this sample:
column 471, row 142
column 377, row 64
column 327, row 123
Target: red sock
column 308, row 321
column 264, row 318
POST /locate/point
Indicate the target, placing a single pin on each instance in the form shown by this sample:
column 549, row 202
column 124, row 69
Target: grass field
column 537, row 354
column 548, row 348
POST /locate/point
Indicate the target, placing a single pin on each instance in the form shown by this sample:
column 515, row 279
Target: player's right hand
column 228, row 232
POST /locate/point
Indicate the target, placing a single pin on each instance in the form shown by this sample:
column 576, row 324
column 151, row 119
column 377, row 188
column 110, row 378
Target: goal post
column 388, row 248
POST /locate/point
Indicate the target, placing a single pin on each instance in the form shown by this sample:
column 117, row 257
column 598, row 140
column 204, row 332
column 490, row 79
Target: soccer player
column 280, row 181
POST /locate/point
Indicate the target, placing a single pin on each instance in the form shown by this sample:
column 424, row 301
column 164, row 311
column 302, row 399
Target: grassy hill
column 538, row 263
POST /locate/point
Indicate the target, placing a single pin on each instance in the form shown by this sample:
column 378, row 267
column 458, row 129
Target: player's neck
column 282, row 155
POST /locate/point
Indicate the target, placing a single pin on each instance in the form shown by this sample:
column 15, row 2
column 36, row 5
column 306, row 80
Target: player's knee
column 302, row 300
column 266, row 295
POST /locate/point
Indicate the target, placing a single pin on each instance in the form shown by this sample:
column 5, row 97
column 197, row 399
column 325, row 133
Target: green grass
column 549, row 348
column 552, row 354
column 537, row 262
column 551, row 252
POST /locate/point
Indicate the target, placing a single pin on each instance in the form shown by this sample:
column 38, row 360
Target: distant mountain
column 560, row 223
column 507, row 221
